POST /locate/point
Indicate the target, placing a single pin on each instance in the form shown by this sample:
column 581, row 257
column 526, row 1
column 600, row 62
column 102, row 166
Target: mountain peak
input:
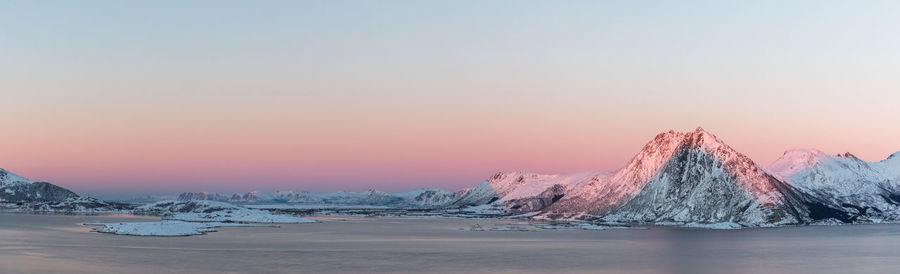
column 701, row 138
column 804, row 152
column 698, row 136
column 848, row 155
column 797, row 159
column 661, row 149
column 374, row 191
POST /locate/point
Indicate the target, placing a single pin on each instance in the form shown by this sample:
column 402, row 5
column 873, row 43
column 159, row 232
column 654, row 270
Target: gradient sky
column 109, row 97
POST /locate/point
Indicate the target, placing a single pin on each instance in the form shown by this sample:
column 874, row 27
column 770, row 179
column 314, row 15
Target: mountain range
column 420, row 198
column 694, row 177
column 19, row 193
column 676, row 178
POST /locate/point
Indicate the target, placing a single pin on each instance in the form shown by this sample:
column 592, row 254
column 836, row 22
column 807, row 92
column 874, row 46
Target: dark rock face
column 434, row 198
column 696, row 187
column 47, row 197
column 481, row 195
column 20, row 194
column 602, row 198
column 541, row 201
column 35, row 192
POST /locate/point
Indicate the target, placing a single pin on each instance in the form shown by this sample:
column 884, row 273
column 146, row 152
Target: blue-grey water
column 60, row 244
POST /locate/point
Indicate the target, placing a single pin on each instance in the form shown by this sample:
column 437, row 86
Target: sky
column 127, row 97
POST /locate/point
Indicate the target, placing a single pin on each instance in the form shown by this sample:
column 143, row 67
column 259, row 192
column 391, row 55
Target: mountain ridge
column 677, row 177
column 692, row 177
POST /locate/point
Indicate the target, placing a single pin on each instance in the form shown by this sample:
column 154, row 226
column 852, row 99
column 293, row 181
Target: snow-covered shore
column 185, row 218
column 163, row 228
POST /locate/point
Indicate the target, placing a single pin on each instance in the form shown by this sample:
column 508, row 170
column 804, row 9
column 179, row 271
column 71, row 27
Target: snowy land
column 183, row 218
column 686, row 179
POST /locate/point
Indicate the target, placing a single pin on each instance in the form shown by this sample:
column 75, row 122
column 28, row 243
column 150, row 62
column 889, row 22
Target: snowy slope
column 511, row 186
column 479, row 195
column 868, row 191
column 10, row 179
column 890, row 167
column 842, row 174
column 522, row 192
column 601, row 195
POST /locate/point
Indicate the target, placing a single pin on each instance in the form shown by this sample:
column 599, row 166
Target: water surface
column 60, row 244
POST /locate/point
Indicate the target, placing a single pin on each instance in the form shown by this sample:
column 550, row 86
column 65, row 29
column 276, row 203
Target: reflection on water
column 53, row 243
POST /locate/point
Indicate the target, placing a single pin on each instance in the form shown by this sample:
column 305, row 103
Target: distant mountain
column 523, row 192
column 420, row 198
column 18, row 193
column 694, row 177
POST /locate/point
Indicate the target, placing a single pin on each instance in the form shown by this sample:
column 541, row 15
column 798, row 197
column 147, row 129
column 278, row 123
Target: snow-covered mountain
column 890, row 167
column 420, row 198
column 16, row 188
column 694, row 177
column 19, row 193
column 867, row 191
column 700, row 179
column 523, row 192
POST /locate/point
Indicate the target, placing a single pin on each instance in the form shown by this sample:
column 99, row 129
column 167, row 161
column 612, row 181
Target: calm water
column 59, row 244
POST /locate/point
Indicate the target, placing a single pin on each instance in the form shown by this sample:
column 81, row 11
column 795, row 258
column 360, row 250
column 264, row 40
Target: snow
column 722, row 225
column 519, row 185
column 241, row 216
column 425, row 197
column 510, row 228
column 827, row 222
column 9, row 179
column 211, row 211
column 487, row 209
column 890, row 167
column 719, row 225
column 843, row 181
column 795, row 160
column 820, row 171
column 602, row 194
column 314, row 206
column 840, row 175
column 409, row 195
column 182, row 218
column 162, row 228
column 585, row 226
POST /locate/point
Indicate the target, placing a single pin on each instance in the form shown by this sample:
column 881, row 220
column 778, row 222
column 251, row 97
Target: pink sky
column 327, row 96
